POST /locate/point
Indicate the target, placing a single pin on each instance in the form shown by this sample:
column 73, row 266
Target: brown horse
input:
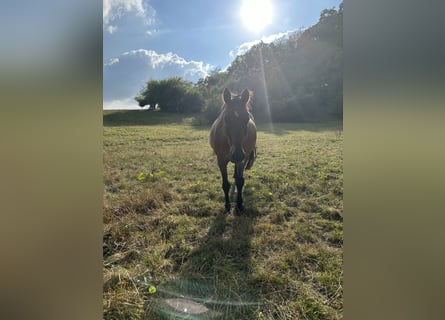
column 233, row 138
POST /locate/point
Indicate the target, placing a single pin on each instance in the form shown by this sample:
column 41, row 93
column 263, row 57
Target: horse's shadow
column 219, row 269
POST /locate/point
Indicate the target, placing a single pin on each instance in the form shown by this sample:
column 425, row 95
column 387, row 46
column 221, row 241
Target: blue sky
column 155, row 39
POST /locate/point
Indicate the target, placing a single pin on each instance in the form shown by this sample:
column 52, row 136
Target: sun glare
column 256, row 14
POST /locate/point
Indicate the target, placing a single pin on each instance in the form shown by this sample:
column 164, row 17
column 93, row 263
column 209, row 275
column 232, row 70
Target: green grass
column 285, row 251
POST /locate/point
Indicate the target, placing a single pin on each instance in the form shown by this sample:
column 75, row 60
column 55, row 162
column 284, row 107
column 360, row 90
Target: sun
column 256, row 14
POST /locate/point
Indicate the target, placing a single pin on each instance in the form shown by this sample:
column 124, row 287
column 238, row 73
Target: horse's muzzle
column 237, row 156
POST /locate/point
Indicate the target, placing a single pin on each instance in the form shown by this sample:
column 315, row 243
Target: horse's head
column 236, row 118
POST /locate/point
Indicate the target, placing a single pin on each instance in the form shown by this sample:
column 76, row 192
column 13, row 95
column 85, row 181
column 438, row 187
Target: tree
column 171, row 95
column 298, row 79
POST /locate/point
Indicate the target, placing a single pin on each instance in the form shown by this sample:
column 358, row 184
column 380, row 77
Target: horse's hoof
column 239, row 209
column 227, row 210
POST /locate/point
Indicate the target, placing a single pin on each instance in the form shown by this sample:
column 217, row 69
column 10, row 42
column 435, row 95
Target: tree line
column 297, row 79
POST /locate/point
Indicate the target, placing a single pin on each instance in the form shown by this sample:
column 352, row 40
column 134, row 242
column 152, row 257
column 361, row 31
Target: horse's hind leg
column 225, row 183
column 239, row 180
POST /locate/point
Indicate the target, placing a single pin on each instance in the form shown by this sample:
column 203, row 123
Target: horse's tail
column 251, row 160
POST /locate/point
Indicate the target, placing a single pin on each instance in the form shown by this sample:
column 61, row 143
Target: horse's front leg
column 225, row 183
column 239, row 180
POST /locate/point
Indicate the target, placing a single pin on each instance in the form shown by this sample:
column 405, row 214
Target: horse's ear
column 227, row 96
column 245, row 96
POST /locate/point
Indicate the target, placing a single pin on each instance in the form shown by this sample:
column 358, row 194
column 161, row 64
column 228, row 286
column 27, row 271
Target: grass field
column 164, row 225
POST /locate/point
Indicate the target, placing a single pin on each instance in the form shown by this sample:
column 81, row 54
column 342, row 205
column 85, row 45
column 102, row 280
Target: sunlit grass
column 163, row 220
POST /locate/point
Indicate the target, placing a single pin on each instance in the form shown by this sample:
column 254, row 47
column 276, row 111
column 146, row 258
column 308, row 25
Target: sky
column 157, row 39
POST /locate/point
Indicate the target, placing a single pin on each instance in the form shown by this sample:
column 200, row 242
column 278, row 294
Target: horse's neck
column 219, row 123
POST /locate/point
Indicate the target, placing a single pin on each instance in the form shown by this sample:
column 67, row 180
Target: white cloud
column 113, row 10
column 244, row 47
column 124, row 76
column 111, row 62
column 111, row 29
